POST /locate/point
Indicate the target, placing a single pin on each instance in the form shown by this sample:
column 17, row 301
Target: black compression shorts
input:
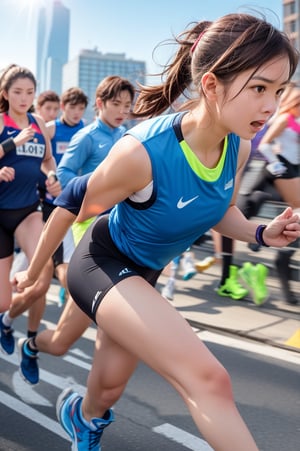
column 9, row 221
column 292, row 170
column 97, row 265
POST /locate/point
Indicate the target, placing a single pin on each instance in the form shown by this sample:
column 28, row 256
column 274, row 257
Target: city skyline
column 53, row 27
column 90, row 67
column 134, row 29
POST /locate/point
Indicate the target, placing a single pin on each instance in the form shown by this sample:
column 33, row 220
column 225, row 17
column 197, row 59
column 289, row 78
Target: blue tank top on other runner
column 62, row 137
column 26, row 160
column 187, row 199
column 59, row 143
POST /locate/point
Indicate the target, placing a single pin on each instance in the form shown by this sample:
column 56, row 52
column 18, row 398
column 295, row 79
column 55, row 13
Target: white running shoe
column 188, row 266
column 168, row 290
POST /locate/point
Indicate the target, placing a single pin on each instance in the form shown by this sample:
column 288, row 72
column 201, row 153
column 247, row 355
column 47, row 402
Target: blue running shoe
column 61, row 297
column 85, row 435
column 29, row 368
column 7, row 340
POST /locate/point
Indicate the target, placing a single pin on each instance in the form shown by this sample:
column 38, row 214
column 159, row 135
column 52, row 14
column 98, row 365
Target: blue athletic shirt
column 187, row 198
column 72, row 195
column 87, row 149
column 26, row 160
column 62, row 137
column 59, row 143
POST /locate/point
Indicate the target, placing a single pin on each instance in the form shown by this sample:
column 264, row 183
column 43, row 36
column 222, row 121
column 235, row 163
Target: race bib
column 31, row 149
column 61, row 147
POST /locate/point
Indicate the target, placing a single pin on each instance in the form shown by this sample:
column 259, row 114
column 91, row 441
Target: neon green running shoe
column 254, row 278
column 232, row 288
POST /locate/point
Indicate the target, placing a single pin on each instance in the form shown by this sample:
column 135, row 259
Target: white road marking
column 23, row 409
column 80, row 353
column 49, row 378
column 169, row 431
column 30, row 395
column 184, row 438
column 77, row 362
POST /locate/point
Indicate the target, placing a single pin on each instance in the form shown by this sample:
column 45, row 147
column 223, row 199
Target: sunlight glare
column 31, row 3
column 28, row 9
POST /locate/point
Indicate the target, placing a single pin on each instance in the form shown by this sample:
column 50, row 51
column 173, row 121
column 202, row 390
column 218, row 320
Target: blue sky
column 132, row 27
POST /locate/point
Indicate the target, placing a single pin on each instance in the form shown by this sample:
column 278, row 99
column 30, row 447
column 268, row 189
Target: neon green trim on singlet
column 79, row 229
column 210, row 175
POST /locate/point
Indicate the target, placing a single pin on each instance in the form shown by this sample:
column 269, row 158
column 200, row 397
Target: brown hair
column 7, row 79
column 74, row 96
column 111, row 87
column 228, row 46
column 47, row 96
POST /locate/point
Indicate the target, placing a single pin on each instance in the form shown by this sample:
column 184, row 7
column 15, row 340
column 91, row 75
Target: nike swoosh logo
column 228, row 185
column 101, row 146
column 182, row 204
column 11, row 132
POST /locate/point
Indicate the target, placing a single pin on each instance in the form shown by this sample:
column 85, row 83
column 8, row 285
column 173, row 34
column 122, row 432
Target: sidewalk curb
column 293, row 344
column 294, row 340
column 275, row 323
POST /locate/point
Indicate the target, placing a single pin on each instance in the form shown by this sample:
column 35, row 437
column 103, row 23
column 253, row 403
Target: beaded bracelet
column 259, row 235
column 8, row 145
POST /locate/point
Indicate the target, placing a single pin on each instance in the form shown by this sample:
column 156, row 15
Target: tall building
column 291, row 25
column 52, row 45
column 89, row 67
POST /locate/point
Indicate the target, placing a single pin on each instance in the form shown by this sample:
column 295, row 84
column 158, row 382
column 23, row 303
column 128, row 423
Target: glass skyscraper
column 52, row 45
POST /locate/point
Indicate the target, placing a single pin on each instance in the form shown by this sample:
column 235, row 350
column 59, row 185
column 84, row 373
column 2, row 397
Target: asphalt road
column 150, row 415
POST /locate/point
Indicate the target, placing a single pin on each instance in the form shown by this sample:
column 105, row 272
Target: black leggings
column 97, row 265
